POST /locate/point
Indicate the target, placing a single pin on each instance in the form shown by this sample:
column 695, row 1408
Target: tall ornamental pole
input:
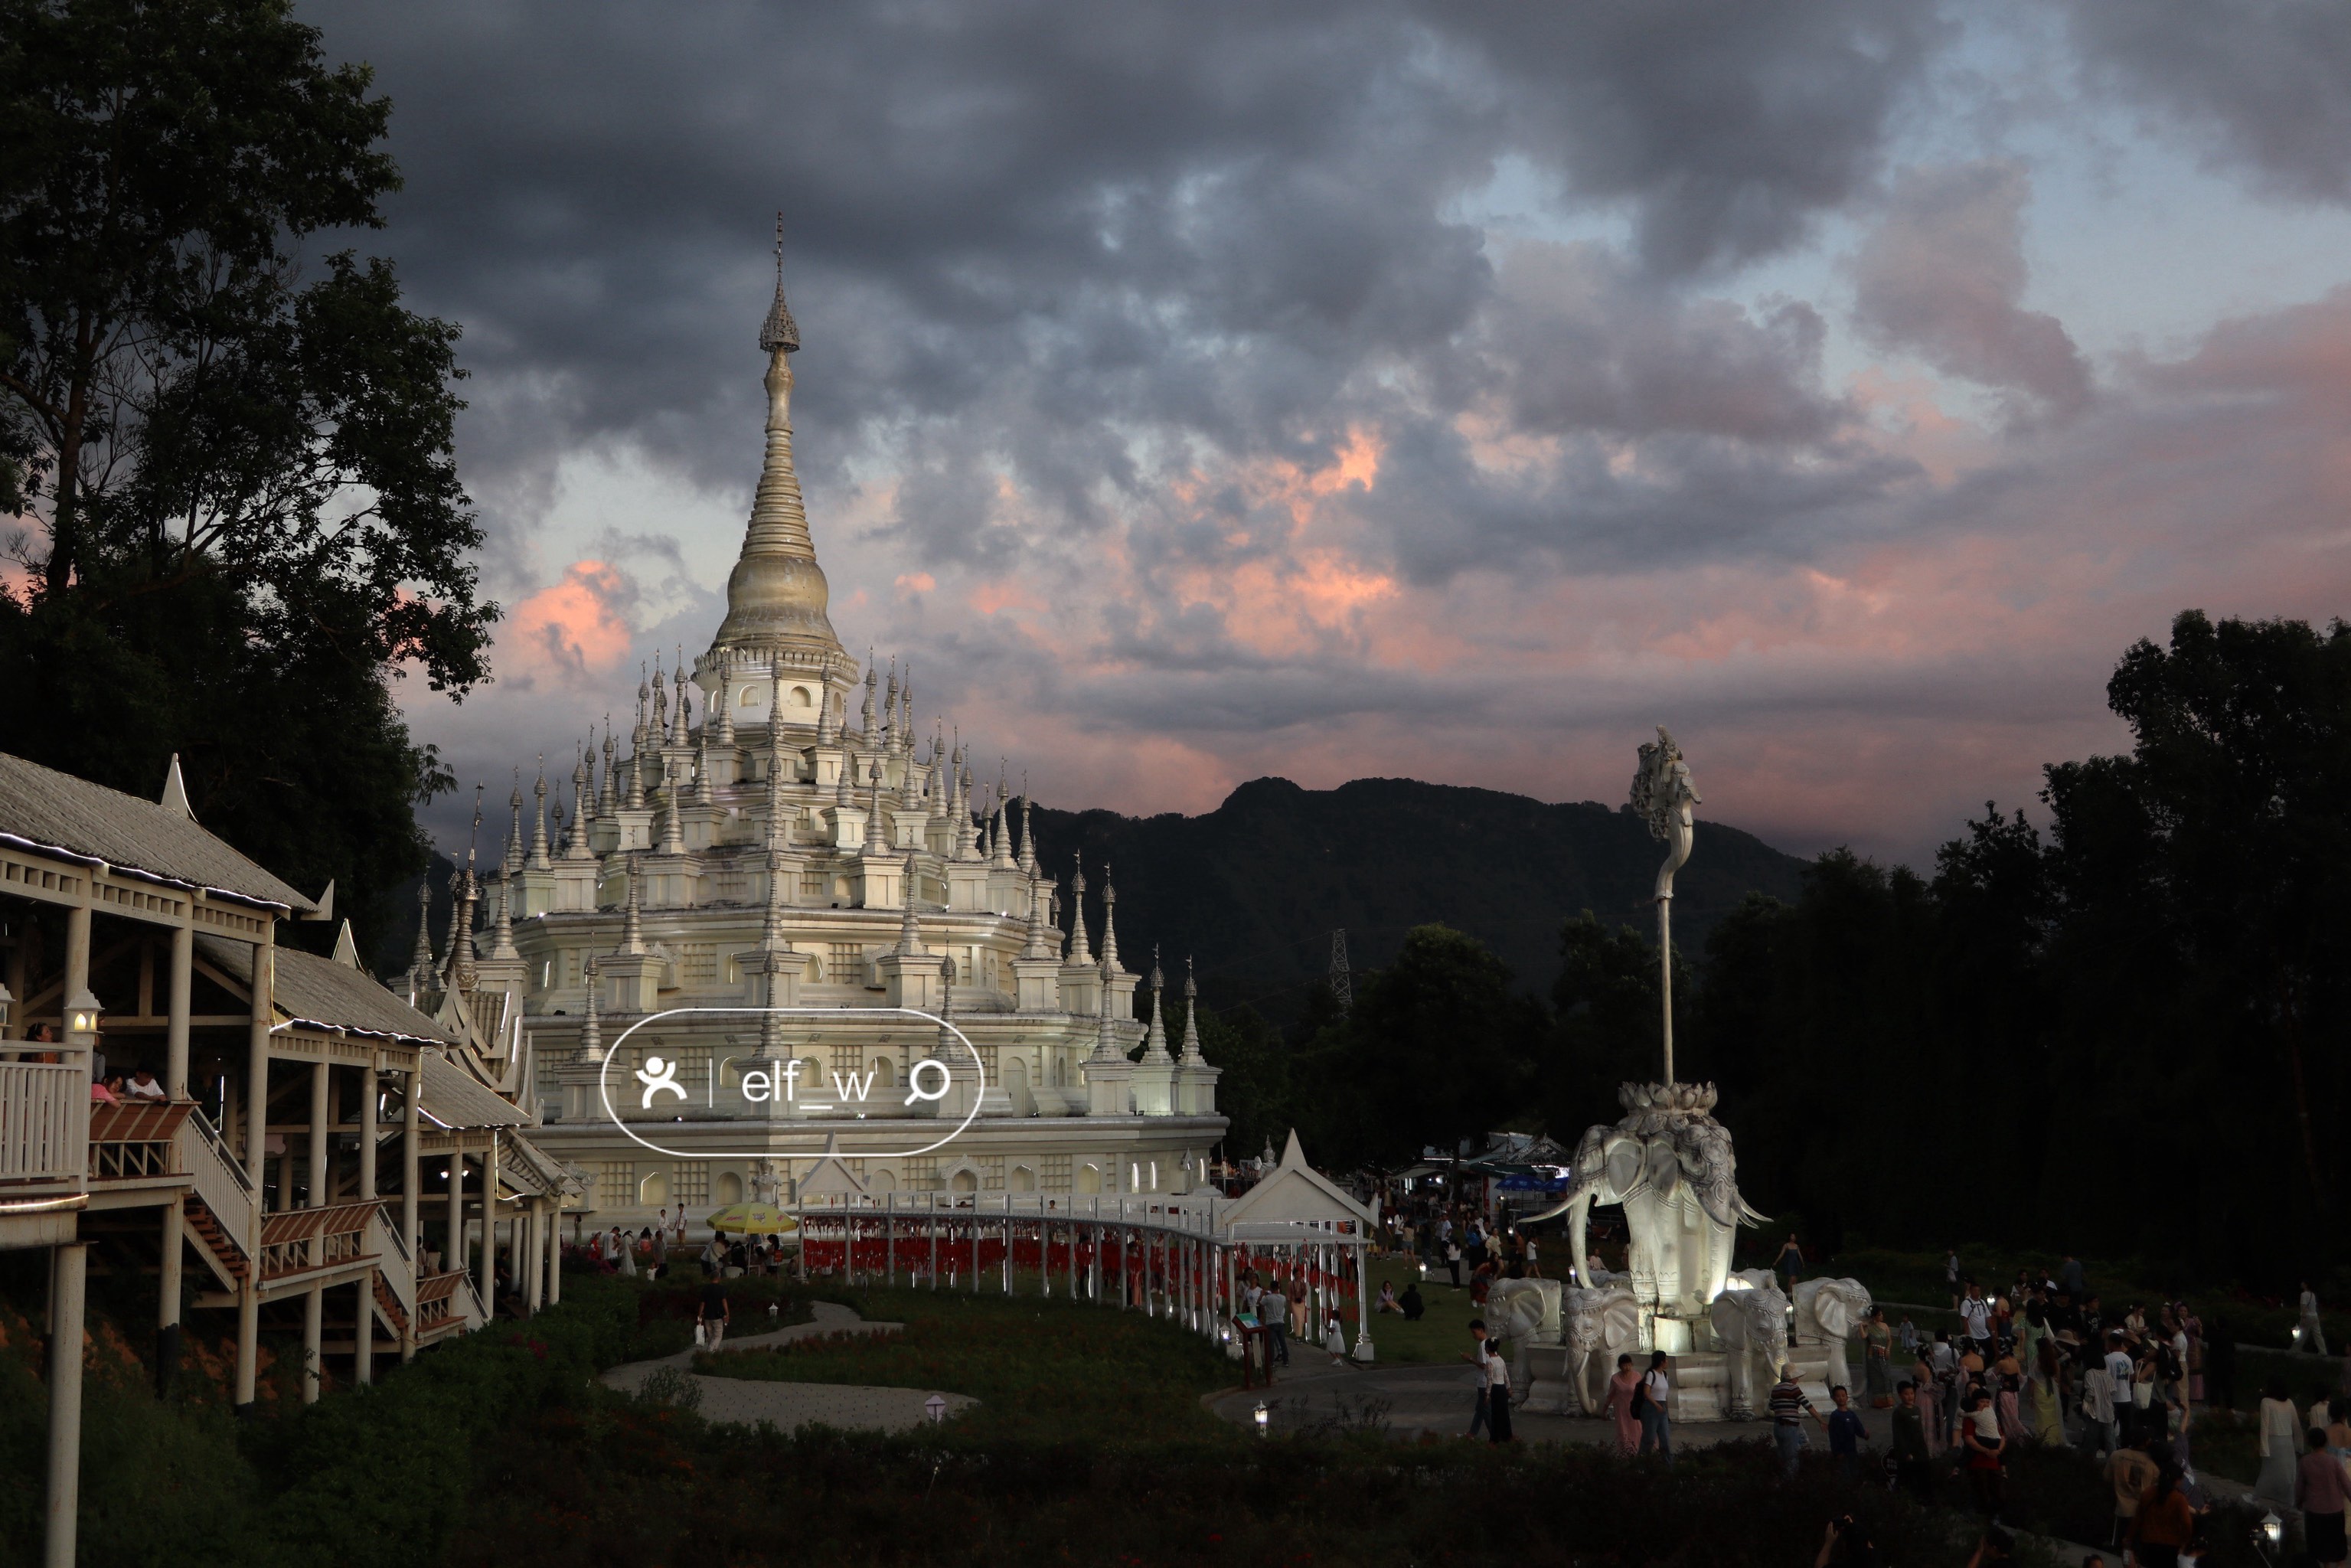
column 1664, row 798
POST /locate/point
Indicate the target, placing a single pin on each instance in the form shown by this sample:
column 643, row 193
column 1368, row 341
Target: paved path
column 787, row 1406
column 1412, row 1400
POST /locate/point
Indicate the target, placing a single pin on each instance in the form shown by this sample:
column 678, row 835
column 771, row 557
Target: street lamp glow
column 1263, row 1420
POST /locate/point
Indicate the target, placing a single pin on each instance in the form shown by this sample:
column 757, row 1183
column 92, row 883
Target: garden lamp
column 1263, row 1420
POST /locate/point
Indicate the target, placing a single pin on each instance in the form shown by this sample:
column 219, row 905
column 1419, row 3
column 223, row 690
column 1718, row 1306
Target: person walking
column 1791, row 1264
column 2281, row 1428
column 1914, row 1469
column 1481, row 1402
column 1453, row 1259
column 1951, row 1274
column 2321, row 1491
column 715, row 1314
column 2165, row 1524
column 1497, row 1395
column 1986, row 1448
column 1620, row 1403
column 2308, row 1335
column 1655, row 1400
column 2130, row 1471
column 1789, row 1407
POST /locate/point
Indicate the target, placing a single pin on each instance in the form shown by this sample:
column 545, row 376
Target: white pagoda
column 770, row 834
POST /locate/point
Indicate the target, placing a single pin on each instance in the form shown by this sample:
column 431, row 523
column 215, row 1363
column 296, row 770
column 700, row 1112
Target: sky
column 1196, row 392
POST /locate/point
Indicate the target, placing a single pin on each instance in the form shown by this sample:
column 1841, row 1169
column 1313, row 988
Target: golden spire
column 776, row 595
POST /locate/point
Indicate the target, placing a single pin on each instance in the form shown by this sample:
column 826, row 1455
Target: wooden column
column 410, row 1130
column 314, row 1313
column 554, row 1250
column 321, row 1086
column 68, row 1279
column 489, row 1279
column 167, row 1299
column 363, row 1332
column 454, row 1260
column 256, row 1138
column 175, row 1036
column 370, row 1086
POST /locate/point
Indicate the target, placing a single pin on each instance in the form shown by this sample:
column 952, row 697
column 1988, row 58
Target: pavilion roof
column 1298, row 1195
column 46, row 809
column 454, row 1098
column 315, row 990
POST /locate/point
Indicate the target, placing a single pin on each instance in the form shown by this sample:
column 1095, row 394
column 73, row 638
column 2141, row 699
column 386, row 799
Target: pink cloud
column 575, row 628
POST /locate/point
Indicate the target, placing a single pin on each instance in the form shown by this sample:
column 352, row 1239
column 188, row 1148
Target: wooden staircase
column 217, row 1239
column 387, row 1303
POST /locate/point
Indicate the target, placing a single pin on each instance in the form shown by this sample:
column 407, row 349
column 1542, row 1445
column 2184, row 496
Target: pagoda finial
column 1192, row 1057
column 1081, row 949
column 591, row 1033
column 1154, row 1039
column 420, row 958
column 910, row 930
column 538, row 851
column 1110, row 923
column 632, row 920
column 502, row 944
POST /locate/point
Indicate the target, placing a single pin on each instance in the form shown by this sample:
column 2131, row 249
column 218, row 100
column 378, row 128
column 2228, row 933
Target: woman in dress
column 1877, row 1360
column 1930, row 1387
column 2281, row 1430
column 1620, row 1405
column 2045, row 1397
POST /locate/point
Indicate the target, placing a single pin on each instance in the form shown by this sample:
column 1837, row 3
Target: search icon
column 915, row 1090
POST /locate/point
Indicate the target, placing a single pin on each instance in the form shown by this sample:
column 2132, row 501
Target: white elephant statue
column 1751, row 1322
column 1523, row 1312
column 1829, row 1312
column 1669, row 1163
column 1599, row 1326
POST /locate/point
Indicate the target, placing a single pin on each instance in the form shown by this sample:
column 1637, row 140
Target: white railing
column 468, row 1301
column 44, row 1130
column 218, row 1181
column 392, row 1262
column 1160, row 1253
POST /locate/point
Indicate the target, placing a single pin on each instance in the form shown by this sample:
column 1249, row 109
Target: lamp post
column 2269, row 1535
column 1264, row 1419
column 82, row 1014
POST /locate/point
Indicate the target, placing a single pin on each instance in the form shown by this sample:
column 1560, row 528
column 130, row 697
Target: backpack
column 1641, row 1400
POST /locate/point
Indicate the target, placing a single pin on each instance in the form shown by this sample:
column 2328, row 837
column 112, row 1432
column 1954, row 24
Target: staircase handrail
column 217, row 1180
column 393, row 1262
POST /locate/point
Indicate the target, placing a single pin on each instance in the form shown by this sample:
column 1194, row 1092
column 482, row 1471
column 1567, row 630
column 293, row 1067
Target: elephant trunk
column 1579, row 1211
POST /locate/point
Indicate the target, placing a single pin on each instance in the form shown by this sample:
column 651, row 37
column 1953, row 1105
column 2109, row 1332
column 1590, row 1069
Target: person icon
column 656, row 1075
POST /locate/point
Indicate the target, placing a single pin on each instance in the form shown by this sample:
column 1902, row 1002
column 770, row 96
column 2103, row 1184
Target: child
column 1847, row 1434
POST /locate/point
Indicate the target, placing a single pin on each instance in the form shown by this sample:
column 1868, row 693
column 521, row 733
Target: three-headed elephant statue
column 1670, row 1163
column 1828, row 1313
column 1751, row 1322
column 1598, row 1326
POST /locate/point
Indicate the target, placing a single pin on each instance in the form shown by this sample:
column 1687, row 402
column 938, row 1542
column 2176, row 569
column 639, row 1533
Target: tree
column 1440, row 1046
column 234, row 452
column 1607, row 1023
column 2203, row 926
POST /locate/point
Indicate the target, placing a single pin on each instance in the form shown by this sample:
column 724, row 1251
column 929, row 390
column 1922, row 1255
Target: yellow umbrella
column 754, row 1219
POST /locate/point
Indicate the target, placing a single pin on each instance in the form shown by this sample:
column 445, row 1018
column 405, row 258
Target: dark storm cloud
column 2267, row 83
column 1018, row 233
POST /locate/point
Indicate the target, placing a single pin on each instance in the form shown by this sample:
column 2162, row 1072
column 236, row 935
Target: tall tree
column 232, row 442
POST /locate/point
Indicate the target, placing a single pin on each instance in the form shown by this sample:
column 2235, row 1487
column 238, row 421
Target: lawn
column 1442, row 1335
column 1044, row 1370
